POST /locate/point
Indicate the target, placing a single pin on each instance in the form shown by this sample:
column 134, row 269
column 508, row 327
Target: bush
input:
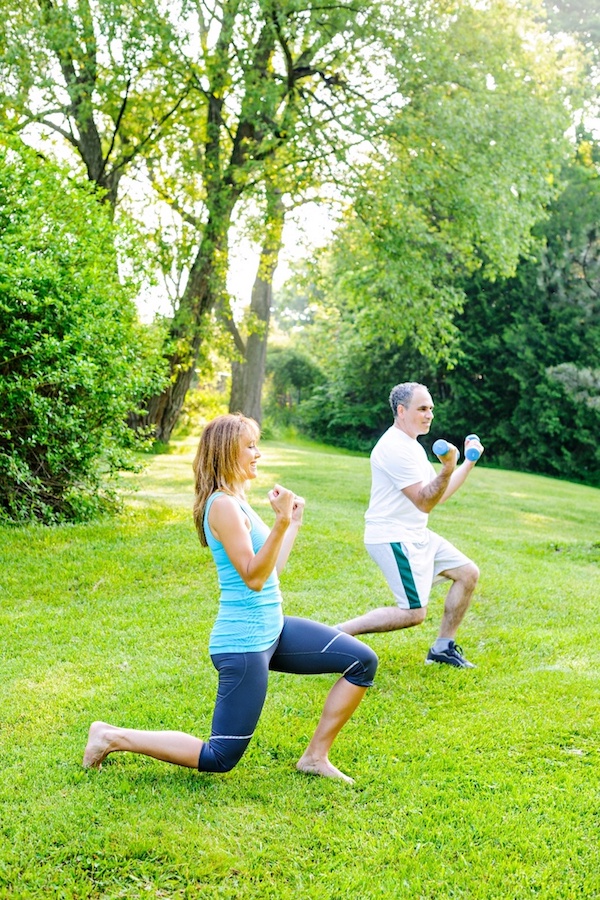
column 74, row 359
column 293, row 377
column 533, row 411
column 352, row 410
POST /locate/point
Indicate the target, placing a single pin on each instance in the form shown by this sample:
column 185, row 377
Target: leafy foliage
column 462, row 172
column 581, row 18
column 293, row 376
column 96, row 76
column 209, row 101
column 350, row 408
column 470, row 162
column 213, row 101
column 74, row 361
column 526, row 365
column 530, row 367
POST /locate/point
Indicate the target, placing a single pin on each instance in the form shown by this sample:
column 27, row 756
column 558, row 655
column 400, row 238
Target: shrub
column 74, row 359
column 293, row 377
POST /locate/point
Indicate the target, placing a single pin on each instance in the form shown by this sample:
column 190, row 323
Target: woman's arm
column 291, row 534
column 230, row 526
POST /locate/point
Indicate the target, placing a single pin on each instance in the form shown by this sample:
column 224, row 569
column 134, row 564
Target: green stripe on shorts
column 406, row 576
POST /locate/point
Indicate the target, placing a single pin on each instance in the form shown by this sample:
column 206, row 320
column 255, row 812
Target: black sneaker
column 452, row 657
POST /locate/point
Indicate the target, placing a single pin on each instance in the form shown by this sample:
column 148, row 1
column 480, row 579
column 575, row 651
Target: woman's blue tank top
column 248, row 621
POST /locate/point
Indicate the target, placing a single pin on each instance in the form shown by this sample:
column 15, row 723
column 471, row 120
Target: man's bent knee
column 467, row 575
column 471, row 575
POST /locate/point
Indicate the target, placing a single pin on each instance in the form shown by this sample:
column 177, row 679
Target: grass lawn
column 469, row 784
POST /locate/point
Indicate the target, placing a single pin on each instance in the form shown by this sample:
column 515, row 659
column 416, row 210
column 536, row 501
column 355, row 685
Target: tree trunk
column 163, row 410
column 187, row 328
column 248, row 375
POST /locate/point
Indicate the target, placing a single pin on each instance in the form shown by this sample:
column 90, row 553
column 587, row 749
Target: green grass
column 480, row 784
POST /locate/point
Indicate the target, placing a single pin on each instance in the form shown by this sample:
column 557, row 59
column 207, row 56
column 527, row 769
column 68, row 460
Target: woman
column 250, row 636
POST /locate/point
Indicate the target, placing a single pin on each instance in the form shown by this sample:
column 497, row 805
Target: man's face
column 416, row 418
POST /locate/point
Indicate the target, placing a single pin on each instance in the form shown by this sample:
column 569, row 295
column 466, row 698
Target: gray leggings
column 304, row 647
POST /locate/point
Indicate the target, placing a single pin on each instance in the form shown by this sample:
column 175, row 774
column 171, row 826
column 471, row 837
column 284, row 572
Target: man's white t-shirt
column 397, row 461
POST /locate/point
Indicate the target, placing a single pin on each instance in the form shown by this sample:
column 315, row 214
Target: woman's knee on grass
column 361, row 672
column 221, row 754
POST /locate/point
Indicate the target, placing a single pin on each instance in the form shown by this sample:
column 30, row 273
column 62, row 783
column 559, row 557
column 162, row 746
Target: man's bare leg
column 458, row 598
column 386, row 618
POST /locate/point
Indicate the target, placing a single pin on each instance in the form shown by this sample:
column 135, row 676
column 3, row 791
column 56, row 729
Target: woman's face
column 249, row 454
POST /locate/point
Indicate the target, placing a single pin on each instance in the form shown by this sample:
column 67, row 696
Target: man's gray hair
column 401, row 395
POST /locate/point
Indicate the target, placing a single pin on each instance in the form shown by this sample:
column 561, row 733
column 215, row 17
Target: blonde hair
column 217, row 462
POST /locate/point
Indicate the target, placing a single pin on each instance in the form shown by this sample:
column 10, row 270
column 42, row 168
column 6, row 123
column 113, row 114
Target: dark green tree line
column 530, row 367
column 526, row 374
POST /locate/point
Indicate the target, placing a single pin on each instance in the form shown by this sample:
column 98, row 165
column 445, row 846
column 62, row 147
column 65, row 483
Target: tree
column 526, row 375
column 349, row 408
column 279, row 81
column 212, row 100
column 446, row 187
column 248, row 80
column 96, row 76
column 73, row 358
column 294, row 376
column 580, row 18
column 248, row 373
column 465, row 170
column 471, row 163
column 527, row 380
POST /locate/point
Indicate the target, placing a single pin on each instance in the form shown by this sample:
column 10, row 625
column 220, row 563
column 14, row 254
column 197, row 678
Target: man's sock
column 441, row 644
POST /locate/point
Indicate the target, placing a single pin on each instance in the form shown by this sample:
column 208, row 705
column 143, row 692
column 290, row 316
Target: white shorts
column 412, row 569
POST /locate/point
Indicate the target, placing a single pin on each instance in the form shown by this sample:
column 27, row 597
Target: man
column 404, row 490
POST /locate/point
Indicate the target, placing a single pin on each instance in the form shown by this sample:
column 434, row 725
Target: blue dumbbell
column 440, row 447
column 472, row 453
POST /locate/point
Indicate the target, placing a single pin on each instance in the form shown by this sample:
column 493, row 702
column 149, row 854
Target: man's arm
column 459, row 476
column 457, row 479
column 427, row 495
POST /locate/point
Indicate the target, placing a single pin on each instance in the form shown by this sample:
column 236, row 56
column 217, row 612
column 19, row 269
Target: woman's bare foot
column 98, row 745
column 311, row 766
